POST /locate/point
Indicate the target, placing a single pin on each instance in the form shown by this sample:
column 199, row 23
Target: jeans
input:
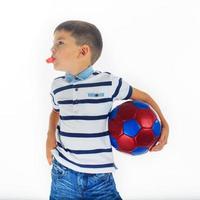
column 68, row 184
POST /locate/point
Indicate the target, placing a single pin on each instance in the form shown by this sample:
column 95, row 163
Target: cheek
column 68, row 54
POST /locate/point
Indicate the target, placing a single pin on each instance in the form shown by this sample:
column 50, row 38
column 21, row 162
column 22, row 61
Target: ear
column 84, row 49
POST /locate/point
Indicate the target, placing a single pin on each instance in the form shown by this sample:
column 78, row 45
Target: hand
column 50, row 144
column 162, row 141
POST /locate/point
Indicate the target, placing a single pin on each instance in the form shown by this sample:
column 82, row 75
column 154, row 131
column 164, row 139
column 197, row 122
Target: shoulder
column 56, row 82
column 103, row 75
column 59, row 78
column 100, row 74
column 111, row 76
column 108, row 76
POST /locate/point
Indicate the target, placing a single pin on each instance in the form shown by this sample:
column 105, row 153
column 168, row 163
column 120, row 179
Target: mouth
column 50, row 59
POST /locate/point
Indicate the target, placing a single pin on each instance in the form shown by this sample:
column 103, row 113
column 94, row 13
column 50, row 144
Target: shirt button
column 76, row 89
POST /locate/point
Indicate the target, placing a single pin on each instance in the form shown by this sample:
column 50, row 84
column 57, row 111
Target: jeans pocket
column 57, row 170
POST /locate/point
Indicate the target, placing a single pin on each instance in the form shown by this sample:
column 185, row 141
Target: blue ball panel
column 131, row 127
column 140, row 104
column 113, row 113
column 113, row 142
column 156, row 128
column 139, row 150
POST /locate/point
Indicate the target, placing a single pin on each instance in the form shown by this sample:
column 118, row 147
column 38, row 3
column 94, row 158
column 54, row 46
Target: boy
column 78, row 142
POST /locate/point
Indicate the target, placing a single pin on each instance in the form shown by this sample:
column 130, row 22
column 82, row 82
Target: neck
column 79, row 69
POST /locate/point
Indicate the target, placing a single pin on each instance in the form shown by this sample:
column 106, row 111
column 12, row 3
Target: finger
column 157, row 147
column 162, row 138
column 162, row 141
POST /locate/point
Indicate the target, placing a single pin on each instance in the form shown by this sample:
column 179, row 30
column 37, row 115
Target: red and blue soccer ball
column 134, row 127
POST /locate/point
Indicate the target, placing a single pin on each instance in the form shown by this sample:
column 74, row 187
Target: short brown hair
column 84, row 33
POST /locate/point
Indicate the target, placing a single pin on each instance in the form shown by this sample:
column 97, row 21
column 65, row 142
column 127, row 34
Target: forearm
column 155, row 106
column 53, row 121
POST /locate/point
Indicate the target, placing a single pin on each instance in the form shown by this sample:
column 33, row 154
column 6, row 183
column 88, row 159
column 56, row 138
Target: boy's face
column 66, row 51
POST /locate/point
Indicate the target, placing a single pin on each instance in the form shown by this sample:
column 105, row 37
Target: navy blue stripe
column 92, row 151
column 85, row 165
column 129, row 93
column 83, row 117
column 82, row 85
column 117, row 89
column 59, row 77
column 53, row 99
column 85, row 101
column 84, row 135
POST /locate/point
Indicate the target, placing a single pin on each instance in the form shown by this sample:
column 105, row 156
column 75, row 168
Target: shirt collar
column 81, row 76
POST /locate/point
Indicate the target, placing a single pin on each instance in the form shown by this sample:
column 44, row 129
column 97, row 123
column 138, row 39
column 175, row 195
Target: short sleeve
column 121, row 89
column 54, row 103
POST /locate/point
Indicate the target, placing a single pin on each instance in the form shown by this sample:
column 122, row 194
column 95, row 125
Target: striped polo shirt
column 84, row 102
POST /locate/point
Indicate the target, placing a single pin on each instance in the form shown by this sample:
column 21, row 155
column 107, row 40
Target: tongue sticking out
column 50, row 60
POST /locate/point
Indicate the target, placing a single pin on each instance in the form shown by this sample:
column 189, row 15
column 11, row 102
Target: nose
column 53, row 49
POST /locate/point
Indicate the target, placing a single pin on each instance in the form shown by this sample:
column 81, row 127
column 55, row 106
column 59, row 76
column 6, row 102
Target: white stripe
column 86, row 143
column 84, row 126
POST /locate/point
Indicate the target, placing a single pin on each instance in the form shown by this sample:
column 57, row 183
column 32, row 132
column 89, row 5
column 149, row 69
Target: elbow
column 140, row 95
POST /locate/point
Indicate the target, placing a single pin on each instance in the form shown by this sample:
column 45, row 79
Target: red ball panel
column 115, row 127
column 145, row 117
column 145, row 137
column 126, row 143
column 127, row 111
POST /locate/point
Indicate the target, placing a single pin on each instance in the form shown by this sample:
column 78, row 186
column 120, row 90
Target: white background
column 154, row 45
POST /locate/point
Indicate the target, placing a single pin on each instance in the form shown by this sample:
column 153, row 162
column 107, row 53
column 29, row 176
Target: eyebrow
column 61, row 38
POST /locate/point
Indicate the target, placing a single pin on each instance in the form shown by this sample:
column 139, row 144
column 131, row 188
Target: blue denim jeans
column 68, row 184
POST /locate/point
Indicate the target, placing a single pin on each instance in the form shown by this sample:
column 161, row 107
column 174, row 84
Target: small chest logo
column 94, row 94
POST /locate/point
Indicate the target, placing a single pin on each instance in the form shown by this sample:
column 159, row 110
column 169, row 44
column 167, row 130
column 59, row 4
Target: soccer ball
column 134, row 127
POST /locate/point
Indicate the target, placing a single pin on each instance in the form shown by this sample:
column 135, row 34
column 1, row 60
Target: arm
column 143, row 96
column 53, row 120
column 51, row 138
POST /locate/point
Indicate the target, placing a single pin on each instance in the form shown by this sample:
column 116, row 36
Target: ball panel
column 125, row 143
column 145, row 118
column 156, row 128
column 145, row 137
column 127, row 110
column 113, row 142
column 139, row 151
column 131, row 127
column 113, row 113
column 140, row 104
column 115, row 127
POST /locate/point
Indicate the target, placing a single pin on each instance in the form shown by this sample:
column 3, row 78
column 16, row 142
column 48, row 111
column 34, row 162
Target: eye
column 57, row 44
column 60, row 42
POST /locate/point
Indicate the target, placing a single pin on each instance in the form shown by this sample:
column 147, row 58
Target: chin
column 56, row 67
